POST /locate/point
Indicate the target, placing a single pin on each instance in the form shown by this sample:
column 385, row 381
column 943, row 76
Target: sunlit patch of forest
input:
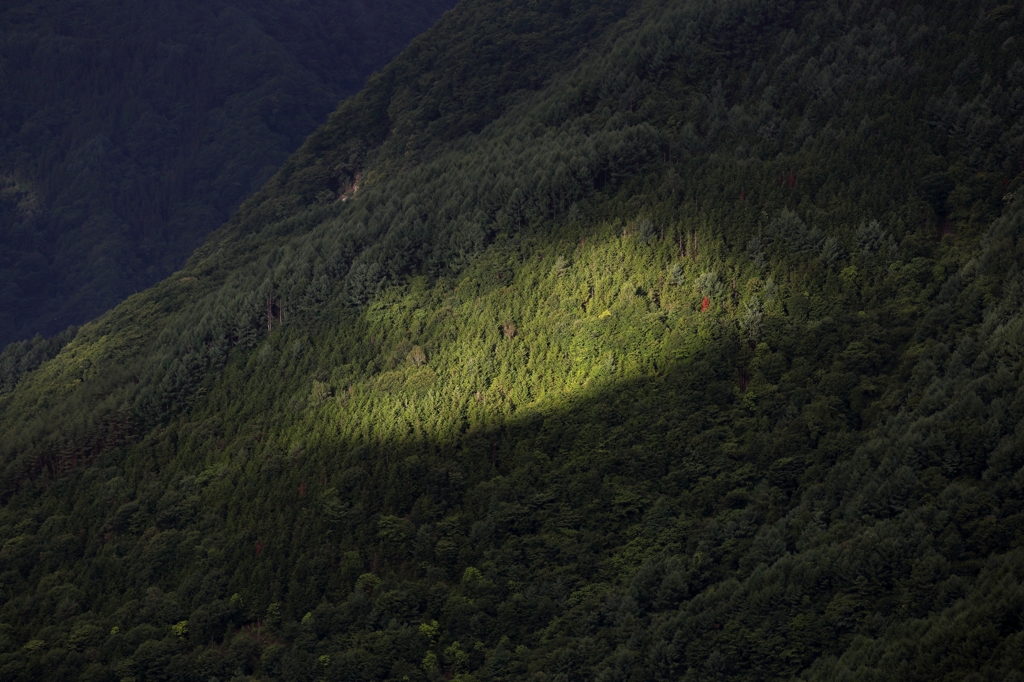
column 590, row 341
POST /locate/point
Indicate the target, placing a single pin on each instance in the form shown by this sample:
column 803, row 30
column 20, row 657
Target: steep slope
column 690, row 351
column 130, row 132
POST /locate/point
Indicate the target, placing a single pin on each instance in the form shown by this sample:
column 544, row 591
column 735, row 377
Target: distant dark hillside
column 129, row 131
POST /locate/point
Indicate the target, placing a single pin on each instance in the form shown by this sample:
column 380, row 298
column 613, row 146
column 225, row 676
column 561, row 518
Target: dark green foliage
column 22, row 357
column 678, row 363
column 130, row 132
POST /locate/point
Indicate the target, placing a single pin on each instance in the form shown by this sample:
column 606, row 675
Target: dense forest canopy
column 129, row 131
column 602, row 340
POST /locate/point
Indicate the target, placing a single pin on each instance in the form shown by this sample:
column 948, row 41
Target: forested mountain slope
column 591, row 340
column 129, row 131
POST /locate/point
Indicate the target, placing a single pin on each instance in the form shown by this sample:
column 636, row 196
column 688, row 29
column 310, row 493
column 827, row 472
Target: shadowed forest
column 589, row 341
column 129, row 132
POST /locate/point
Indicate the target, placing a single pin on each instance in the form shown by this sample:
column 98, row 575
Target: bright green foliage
column 429, row 630
column 180, row 629
column 696, row 355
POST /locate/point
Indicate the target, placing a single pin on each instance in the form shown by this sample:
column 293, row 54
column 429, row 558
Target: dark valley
column 129, row 132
